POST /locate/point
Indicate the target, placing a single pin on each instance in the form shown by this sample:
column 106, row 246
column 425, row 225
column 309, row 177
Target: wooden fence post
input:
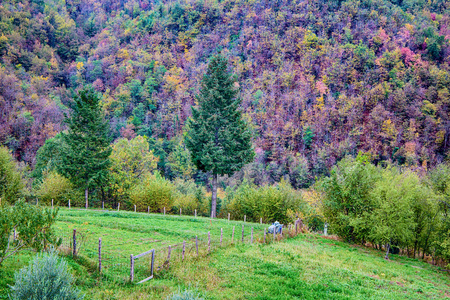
column 209, row 242
column 260, row 221
column 168, row 255
column 103, row 205
column 242, row 233
column 118, row 206
column 196, row 244
column 52, row 203
column 37, row 201
column 131, row 268
column 195, row 213
column 100, row 255
column 221, row 236
column 184, row 250
column 228, row 217
column 251, row 238
column 135, row 208
column 245, row 217
column 274, row 233
column 164, row 210
column 69, row 203
column 264, row 235
column 153, row 260
column 296, row 227
column 232, row 236
column 74, row 250
column 180, row 211
column 148, row 209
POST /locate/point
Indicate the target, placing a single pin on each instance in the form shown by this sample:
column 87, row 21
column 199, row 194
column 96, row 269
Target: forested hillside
column 319, row 79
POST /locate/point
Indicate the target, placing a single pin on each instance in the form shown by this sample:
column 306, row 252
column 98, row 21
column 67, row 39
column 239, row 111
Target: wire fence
column 112, row 257
column 115, row 257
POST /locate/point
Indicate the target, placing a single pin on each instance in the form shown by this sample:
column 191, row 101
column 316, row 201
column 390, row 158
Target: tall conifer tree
column 86, row 160
column 218, row 138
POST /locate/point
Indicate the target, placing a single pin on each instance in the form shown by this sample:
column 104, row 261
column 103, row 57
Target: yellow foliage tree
column 131, row 160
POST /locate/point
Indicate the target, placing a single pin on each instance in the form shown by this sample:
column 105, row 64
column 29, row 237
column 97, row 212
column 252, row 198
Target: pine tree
column 86, row 160
column 217, row 136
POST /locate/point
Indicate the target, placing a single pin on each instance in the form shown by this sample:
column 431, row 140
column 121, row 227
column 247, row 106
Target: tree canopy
column 86, row 159
column 218, row 137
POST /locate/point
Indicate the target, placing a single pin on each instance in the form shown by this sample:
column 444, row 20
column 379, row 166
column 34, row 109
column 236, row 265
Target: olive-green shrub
column 190, row 197
column 11, row 183
column 153, row 191
column 58, row 188
column 271, row 203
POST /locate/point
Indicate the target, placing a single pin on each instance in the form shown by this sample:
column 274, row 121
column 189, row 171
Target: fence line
column 161, row 258
column 194, row 213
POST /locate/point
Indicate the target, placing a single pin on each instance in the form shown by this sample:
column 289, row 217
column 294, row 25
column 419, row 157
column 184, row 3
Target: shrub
column 272, row 203
column 404, row 211
column 153, row 191
column 33, row 228
column 59, row 188
column 11, row 182
column 346, row 197
column 189, row 197
column 46, row 277
column 185, row 295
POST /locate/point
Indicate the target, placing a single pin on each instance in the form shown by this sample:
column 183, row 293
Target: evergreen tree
column 86, row 160
column 218, row 137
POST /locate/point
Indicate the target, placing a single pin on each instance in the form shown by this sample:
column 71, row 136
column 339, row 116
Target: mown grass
column 304, row 267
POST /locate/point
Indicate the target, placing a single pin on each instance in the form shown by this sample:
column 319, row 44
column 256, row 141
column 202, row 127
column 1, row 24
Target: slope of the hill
column 320, row 78
column 303, row 267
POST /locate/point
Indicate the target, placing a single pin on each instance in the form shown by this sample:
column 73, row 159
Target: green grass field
column 302, row 267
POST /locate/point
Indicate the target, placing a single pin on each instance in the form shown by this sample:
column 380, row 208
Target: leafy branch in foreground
column 25, row 226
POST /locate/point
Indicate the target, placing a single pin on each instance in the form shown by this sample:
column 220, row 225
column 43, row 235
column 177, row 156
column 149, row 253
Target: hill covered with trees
column 319, row 79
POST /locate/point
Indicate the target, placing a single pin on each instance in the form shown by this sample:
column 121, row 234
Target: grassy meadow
column 303, row 267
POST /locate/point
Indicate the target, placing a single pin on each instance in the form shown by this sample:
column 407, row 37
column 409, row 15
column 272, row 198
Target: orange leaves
column 174, row 80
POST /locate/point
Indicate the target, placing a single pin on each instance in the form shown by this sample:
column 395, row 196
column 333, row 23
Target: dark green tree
column 86, row 159
column 217, row 136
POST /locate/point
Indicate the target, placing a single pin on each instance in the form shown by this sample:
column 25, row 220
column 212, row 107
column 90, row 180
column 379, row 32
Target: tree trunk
column 86, row 193
column 388, row 246
column 214, row 196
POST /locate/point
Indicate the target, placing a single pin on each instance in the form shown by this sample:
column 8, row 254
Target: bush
column 190, row 197
column 404, row 211
column 46, row 277
column 33, row 228
column 11, row 183
column 346, row 197
column 153, row 191
column 59, row 188
column 185, row 295
column 272, row 203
